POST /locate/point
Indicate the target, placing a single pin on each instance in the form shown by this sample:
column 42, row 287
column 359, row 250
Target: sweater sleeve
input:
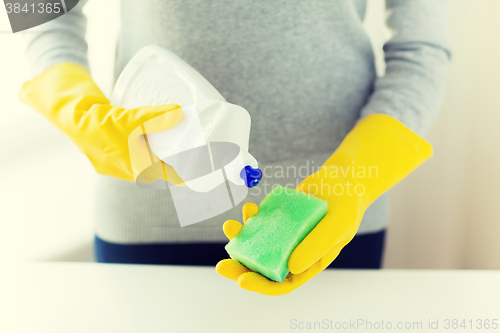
column 57, row 41
column 417, row 60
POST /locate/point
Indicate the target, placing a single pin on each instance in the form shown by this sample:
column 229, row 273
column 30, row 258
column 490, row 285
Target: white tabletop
column 75, row 297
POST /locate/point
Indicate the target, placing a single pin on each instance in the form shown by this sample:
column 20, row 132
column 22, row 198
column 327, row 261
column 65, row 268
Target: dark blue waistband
column 364, row 251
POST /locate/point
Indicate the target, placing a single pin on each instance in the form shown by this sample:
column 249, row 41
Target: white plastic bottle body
column 155, row 76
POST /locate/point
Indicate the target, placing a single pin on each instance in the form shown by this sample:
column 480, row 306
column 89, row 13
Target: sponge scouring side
column 268, row 238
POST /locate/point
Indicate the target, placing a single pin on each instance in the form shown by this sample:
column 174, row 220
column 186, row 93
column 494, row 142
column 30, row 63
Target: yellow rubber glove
column 377, row 154
column 114, row 139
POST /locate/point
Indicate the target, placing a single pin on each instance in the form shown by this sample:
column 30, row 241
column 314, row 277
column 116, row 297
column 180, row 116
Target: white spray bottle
column 155, row 76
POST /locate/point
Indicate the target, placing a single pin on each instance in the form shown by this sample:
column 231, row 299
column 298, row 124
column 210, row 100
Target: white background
column 445, row 215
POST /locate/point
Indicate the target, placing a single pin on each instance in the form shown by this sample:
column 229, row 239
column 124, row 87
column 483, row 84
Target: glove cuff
column 65, row 86
column 382, row 152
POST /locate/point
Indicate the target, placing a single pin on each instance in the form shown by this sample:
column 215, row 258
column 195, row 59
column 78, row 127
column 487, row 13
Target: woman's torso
column 303, row 70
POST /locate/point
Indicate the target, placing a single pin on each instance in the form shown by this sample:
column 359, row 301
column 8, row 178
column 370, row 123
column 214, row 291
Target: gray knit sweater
column 303, row 69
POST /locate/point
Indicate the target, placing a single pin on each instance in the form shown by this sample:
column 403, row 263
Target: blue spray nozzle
column 251, row 176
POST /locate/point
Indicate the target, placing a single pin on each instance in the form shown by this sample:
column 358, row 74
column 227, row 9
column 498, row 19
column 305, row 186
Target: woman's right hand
column 114, row 139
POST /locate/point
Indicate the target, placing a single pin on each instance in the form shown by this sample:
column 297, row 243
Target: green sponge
column 269, row 237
